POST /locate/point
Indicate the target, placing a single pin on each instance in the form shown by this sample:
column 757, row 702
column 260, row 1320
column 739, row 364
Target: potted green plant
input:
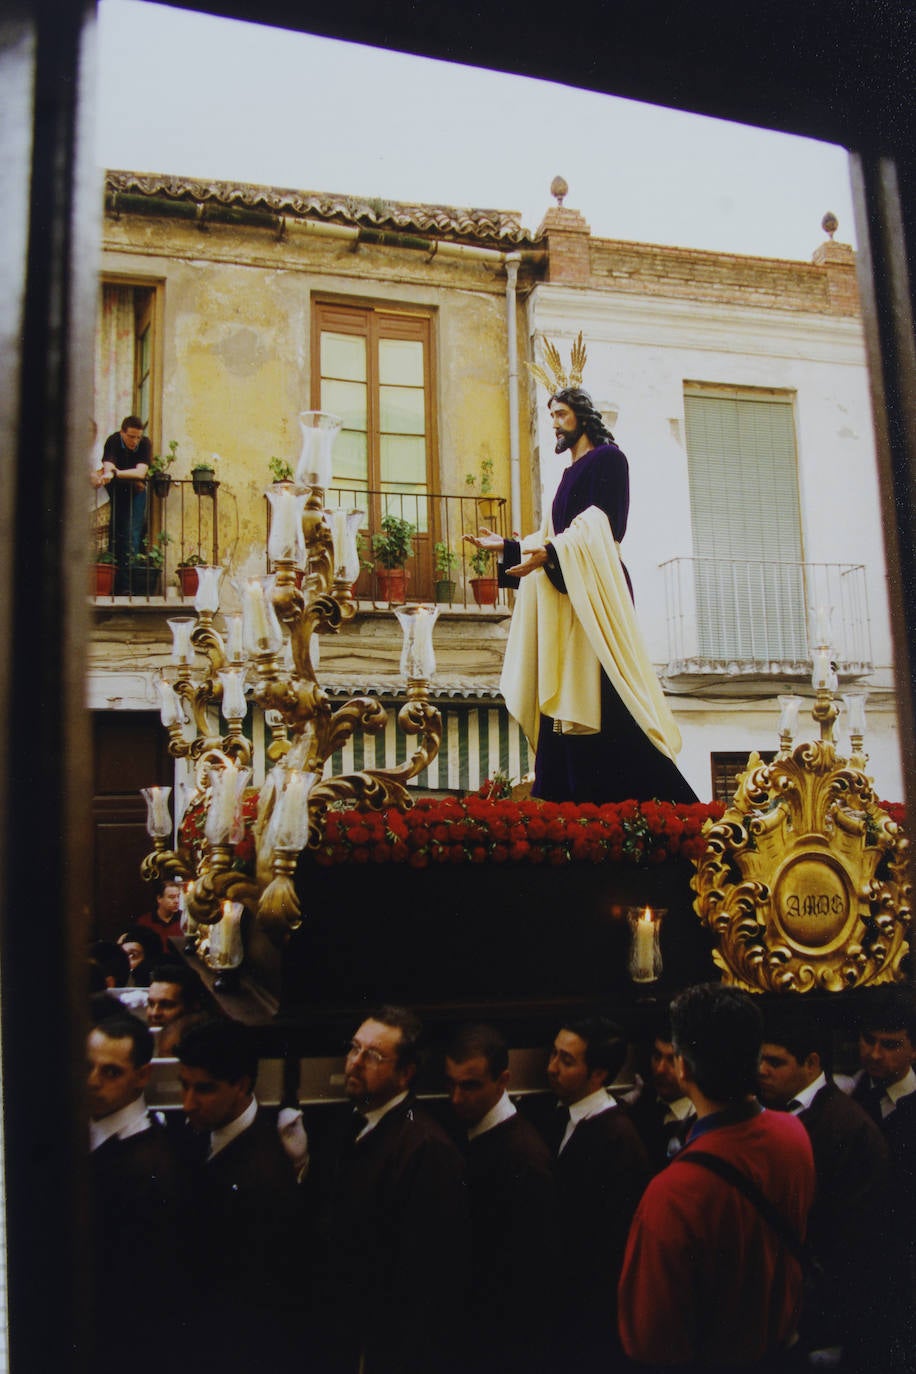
column 487, row 503
column 484, row 583
column 203, row 477
column 445, row 560
column 392, row 547
column 186, row 573
column 281, row 470
column 159, row 476
column 146, row 566
column 102, row 574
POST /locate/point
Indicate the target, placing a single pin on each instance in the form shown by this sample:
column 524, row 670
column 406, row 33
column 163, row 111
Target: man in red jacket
column 708, row 1280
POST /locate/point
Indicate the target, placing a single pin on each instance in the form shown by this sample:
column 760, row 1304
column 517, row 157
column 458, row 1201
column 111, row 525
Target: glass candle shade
column 207, row 595
column 645, row 958
column 344, row 529
column 234, row 705
column 182, row 652
column 292, row 822
column 260, row 628
column 170, row 712
column 227, row 786
column 226, row 950
column 417, row 657
column 823, row 615
column 788, row 716
column 855, row 713
column 823, row 678
column 285, row 541
column 319, row 430
column 158, row 820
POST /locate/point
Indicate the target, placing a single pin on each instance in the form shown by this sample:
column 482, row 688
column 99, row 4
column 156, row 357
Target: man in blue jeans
column 125, row 463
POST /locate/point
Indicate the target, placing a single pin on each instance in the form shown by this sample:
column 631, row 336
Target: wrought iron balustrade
column 150, row 538
column 439, row 519
column 757, row 618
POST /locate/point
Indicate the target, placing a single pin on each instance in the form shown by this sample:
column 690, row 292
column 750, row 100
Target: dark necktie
column 793, row 1105
column 356, row 1124
column 558, row 1126
column 871, row 1100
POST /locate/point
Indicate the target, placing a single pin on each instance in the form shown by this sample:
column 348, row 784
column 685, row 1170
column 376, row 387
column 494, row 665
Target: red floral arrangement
column 485, row 827
column 477, row 830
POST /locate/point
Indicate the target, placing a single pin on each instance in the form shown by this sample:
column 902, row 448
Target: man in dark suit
column 244, row 1228
column 886, row 1088
column 845, row 1224
column 601, row 1170
column 513, row 1201
column 135, row 1197
column 662, row 1114
column 393, row 1225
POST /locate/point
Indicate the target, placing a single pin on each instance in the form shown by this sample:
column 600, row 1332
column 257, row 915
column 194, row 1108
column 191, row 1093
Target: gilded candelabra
column 804, row 879
column 270, row 653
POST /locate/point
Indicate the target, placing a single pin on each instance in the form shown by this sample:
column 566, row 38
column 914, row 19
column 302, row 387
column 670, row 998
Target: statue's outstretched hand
column 532, row 560
column 486, row 539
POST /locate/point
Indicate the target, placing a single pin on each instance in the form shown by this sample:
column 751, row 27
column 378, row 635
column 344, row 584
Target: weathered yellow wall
column 236, row 349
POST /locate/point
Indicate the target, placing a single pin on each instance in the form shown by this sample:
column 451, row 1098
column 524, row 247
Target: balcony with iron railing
column 442, row 566
column 180, row 526
column 176, row 526
column 731, row 619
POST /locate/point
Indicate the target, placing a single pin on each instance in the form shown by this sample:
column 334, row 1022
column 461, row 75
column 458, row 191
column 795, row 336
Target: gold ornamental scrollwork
column 804, row 879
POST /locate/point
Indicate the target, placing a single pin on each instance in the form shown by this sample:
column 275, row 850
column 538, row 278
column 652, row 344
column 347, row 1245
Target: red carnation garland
column 476, row 830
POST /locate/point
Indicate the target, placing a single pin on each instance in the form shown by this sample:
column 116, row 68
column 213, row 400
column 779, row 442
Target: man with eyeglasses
column 392, row 1216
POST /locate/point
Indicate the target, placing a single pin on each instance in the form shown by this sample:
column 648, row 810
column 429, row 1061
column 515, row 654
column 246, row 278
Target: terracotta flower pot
column 485, row 589
column 101, row 579
column 187, row 580
column 392, row 585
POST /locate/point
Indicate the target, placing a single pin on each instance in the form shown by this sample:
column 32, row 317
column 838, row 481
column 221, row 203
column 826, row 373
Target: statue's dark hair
column 583, row 407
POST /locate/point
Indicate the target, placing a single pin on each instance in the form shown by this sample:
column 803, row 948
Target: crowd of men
column 737, row 1209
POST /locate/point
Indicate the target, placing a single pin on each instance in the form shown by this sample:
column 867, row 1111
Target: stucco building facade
column 736, row 386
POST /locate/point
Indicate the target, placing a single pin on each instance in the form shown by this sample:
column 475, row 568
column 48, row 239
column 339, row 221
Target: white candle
column 234, row 643
column 227, row 785
column 645, row 945
column 257, row 630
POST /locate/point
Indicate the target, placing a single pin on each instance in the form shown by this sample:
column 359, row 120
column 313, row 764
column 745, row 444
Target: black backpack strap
column 725, row 1169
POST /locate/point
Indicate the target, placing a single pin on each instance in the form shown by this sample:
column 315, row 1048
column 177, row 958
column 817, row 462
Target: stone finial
column 830, row 224
column 559, row 189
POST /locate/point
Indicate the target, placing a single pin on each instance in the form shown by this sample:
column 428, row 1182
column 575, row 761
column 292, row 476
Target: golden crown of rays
column 558, row 378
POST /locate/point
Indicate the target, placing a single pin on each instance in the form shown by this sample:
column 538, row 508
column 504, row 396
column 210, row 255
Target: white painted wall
column 640, row 353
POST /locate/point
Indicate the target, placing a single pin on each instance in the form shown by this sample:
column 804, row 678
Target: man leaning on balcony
column 125, row 463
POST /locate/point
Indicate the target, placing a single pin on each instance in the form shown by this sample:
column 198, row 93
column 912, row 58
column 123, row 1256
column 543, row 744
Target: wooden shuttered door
column 744, row 507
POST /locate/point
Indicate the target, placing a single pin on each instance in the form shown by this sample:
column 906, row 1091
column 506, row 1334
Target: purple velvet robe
column 620, row 762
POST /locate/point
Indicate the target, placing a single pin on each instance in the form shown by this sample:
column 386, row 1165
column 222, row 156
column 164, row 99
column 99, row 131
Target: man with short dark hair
column 135, row 1193
column 663, row 1113
column 886, row 1088
column 601, row 1169
column 174, row 990
column 126, row 457
column 513, row 1203
column 392, row 1259
column 707, row 1279
column 165, row 920
column 850, row 1157
column 245, row 1217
